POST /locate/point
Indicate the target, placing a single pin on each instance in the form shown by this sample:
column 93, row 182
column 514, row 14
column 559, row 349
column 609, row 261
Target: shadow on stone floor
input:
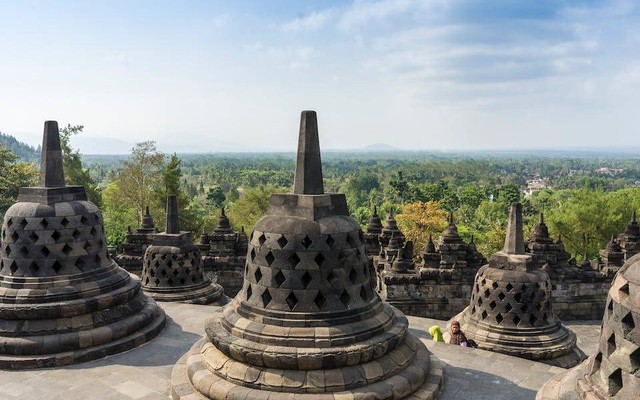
column 471, row 384
column 163, row 350
column 483, row 375
column 420, row 334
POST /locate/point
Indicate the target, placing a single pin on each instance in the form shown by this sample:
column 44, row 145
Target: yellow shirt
column 436, row 333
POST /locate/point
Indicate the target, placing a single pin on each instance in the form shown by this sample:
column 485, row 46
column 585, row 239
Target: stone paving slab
column 143, row 373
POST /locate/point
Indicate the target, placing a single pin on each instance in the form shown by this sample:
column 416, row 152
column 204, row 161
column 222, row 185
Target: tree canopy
column 13, row 175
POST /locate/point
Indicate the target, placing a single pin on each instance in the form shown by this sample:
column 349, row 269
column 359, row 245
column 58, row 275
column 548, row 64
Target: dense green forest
column 586, row 198
column 21, row 150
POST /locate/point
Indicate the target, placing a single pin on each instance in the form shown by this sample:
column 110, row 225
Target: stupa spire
column 172, row 215
column 514, row 242
column 308, row 176
column 51, row 170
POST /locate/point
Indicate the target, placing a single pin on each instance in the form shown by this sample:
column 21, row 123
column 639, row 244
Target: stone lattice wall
column 444, row 299
column 53, row 245
column 226, row 271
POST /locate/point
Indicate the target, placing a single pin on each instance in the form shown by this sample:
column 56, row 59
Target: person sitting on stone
column 457, row 337
column 436, row 334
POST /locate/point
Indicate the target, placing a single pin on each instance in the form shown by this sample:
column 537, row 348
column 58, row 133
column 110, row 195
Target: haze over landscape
column 199, row 76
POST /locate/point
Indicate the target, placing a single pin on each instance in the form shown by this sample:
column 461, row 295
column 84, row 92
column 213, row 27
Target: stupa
column 452, row 248
column 613, row 372
column 511, row 311
column 389, row 229
column 551, row 255
column 307, row 324
column 62, row 299
column 403, row 262
column 222, row 242
column 172, row 269
column 372, row 235
column 135, row 244
column 611, row 258
column 224, row 252
column 629, row 240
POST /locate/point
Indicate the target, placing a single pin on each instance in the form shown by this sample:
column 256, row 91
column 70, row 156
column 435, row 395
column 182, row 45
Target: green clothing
column 436, row 333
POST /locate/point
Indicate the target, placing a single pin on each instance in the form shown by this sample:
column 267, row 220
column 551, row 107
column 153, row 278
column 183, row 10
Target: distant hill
column 24, row 151
column 381, row 147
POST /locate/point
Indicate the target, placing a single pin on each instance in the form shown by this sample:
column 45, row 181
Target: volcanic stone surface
column 172, row 268
column 614, row 370
column 62, row 299
column 307, row 324
column 511, row 311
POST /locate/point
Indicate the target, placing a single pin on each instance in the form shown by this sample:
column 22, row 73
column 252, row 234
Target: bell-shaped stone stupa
column 172, row 269
column 372, row 234
column 307, row 324
column 391, row 229
column 511, row 311
column 62, row 299
column 613, row 372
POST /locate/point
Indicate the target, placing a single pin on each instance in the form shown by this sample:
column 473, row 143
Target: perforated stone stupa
column 62, row 299
column 172, row 269
column 511, row 311
column 307, row 324
column 613, row 372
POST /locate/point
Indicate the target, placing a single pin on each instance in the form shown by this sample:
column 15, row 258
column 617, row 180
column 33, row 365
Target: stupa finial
column 450, row 219
column 514, row 242
column 633, row 216
column 172, row 215
column 541, row 218
column 146, row 211
column 51, row 170
column 308, row 176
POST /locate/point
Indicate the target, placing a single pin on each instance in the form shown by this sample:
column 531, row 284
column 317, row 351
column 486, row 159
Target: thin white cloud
column 288, row 57
column 364, row 12
column 220, row 21
column 311, row 22
column 630, row 75
column 358, row 14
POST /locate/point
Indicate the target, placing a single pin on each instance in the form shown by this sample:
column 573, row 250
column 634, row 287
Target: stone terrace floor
column 144, row 373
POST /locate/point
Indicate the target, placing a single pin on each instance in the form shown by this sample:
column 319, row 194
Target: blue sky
column 430, row 74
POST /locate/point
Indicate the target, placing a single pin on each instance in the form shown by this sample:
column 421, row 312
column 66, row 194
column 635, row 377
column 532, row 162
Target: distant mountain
column 380, row 147
column 24, row 151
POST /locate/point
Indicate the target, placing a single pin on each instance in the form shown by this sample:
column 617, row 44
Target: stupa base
column 192, row 380
column 208, row 293
column 89, row 344
column 564, row 386
column 552, row 344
